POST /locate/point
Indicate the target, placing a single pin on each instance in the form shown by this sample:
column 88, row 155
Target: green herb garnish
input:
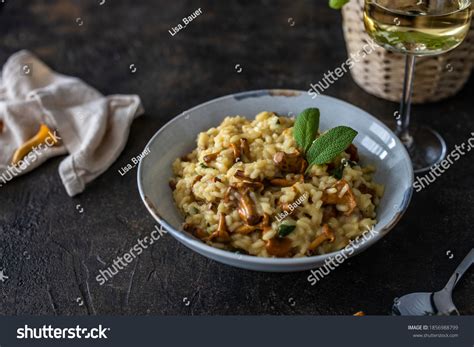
column 337, row 172
column 329, row 145
column 337, row 4
column 325, row 148
column 204, row 166
column 306, row 128
column 285, row 229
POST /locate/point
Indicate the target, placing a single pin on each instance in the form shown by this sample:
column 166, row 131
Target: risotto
column 247, row 188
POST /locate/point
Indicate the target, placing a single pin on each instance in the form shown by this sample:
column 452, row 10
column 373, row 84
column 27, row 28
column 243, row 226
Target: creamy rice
column 235, row 196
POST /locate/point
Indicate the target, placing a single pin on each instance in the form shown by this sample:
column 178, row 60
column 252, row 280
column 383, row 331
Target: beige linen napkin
column 93, row 128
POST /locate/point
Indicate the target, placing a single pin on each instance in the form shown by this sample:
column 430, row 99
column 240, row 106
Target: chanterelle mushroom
column 222, row 233
column 244, row 148
column 246, row 229
column 353, row 152
column 241, row 150
column 236, row 152
column 343, row 195
column 198, row 232
column 246, row 182
column 278, row 246
column 290, row 162
column 327, row 235
column 196, row 179
column 283, row 182
column 240, row 191
column 247, row 210
column 255, row 186
column 241, row 175
column 210, row 157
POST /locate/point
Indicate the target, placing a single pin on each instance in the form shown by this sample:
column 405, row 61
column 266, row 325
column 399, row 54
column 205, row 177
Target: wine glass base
column 428, row 148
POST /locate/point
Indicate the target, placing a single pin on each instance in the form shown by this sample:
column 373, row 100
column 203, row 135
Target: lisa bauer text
column 292, row 207
column 135, row 160
column 186, row 20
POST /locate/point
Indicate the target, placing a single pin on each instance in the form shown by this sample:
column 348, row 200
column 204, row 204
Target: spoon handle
column 460, row 270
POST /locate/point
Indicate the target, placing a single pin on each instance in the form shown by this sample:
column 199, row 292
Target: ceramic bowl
column 377, row 145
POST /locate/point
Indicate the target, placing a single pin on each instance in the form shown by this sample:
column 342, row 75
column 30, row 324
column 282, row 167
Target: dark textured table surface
column 51, row 252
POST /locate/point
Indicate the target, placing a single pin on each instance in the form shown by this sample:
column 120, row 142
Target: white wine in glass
column 418, row 28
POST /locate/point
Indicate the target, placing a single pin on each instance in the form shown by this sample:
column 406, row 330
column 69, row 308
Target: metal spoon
column 438, row 303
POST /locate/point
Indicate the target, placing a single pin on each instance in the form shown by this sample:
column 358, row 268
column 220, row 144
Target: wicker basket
column 381, row 72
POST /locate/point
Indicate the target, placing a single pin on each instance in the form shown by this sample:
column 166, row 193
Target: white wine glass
column 418, row 28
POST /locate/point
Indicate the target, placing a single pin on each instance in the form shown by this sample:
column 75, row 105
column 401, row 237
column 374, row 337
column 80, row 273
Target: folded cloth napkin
column 92, row 128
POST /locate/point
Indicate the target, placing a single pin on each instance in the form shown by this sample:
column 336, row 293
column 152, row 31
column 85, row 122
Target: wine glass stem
column 403, row 122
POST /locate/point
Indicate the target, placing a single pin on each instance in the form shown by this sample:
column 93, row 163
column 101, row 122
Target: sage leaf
column 306, row 128
column 285, row 229
column 329, row 145
column 337, row 4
